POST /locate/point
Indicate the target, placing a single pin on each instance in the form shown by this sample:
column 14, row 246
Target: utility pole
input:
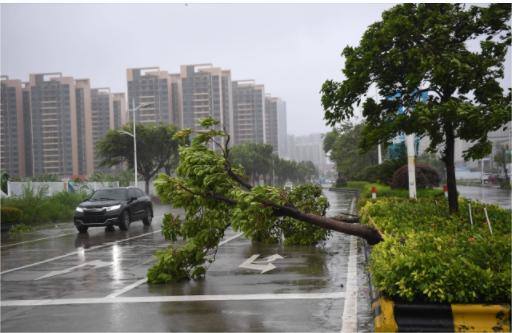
column 411, row 165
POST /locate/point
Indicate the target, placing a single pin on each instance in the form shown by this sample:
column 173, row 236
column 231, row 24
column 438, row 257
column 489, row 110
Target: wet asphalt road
column 491, row 195
column 57, row 280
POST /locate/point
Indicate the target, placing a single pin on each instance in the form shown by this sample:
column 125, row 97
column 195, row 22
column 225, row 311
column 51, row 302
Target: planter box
column 394, row 316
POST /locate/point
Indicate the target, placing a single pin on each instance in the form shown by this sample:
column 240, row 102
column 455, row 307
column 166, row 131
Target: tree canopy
column 215, row 195
column 454, row 53
column 350, row 159
column 156, row 149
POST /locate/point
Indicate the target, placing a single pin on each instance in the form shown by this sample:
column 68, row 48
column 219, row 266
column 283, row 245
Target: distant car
column 114, row 206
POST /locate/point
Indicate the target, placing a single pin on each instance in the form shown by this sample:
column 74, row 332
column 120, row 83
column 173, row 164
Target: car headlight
column 111, row 208
column 79, row 209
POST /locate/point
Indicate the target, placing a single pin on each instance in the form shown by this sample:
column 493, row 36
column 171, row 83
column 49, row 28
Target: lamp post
column 134, row 136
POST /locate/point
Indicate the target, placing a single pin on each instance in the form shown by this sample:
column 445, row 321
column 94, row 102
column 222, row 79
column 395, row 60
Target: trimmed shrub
column 382, row 172
column 426, row 177
column 10, row 214
column 429, row 255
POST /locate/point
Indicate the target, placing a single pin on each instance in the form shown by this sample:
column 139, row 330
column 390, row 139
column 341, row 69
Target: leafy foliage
column 10, row 214
column 429, row 255
column 426, row 177
column 156, row 149
column 4, row 178
column 258, row 160
column 19, row 229
column 350, row 160
column 37, row 207
column 425, row 48
column 214, row 195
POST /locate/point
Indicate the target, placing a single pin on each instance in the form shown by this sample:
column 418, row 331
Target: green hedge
column 429, row 255
column 10, row 215
column 37, row 207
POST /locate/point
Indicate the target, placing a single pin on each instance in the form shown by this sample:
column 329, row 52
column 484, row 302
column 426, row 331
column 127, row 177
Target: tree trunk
column 449, row 161
column 371, row 235
column 146, row 185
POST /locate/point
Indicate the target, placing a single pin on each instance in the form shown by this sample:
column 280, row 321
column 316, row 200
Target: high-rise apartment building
column 102, row 117
column 150, row 86
column 54, row 124
column 176, row 99
column 27, row 129
column 308, row 148
column 271, row 119
column 248, row 112
column 12, row 146
column 275, row 124
column 282, row 128
column 205, row 92
column 119, row 109
column 84, row 127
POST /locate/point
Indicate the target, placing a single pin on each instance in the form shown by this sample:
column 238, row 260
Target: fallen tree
column 215, row 195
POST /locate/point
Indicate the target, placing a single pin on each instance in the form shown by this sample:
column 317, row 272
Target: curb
column 391, row 316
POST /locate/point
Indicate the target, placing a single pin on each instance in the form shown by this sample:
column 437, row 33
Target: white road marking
column 352, row 205
column 128, row 288
column 161, row 299
column 37, row 240
column 349, row 320
column 95, row 263
column 258, row 266
column 142, row 281
column 80, row 251
column 230, row 239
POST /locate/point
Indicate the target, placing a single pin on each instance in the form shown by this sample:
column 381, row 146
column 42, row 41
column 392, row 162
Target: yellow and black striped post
column 390, row 316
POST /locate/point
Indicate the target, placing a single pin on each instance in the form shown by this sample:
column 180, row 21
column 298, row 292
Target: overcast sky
column 290, row 48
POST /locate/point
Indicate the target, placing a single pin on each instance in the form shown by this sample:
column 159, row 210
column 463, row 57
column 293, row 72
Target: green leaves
column 425, row 48
column 213, row 200
column 429, row 255
column 157, row 148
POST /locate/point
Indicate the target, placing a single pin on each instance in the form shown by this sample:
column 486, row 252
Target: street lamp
column 134, row 136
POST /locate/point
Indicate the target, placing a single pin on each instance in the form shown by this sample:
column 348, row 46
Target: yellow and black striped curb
column 390, row 316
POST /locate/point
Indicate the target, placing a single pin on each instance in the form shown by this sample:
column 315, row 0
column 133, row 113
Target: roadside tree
column 156, row 149
column 255, row 158
column 343, row 145
column 453, row 52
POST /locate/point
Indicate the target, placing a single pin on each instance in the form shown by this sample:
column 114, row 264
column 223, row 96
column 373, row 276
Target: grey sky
column 290, row 48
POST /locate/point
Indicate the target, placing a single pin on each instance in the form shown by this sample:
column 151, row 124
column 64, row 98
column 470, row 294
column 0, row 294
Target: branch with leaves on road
column 217, row 194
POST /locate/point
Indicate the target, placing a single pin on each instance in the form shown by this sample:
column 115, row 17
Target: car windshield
column 109, row 194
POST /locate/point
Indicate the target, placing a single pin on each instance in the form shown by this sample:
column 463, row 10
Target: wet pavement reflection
column 96, row 283
column 490, row 195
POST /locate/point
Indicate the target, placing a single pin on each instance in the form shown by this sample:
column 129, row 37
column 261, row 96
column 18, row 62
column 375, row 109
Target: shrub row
column 10, row 215
column 432, row 256
column 36, row 207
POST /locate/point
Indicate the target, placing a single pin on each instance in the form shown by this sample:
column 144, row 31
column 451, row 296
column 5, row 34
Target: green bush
column 10, row 215
column 382, row 173
column 429, row 255
column 19, row 229
column 426, row 177
column 384, row 191
column 37, row 207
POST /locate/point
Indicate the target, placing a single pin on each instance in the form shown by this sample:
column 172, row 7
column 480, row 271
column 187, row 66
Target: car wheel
column 148, row 218
column 82, row 229
column 125, row 221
